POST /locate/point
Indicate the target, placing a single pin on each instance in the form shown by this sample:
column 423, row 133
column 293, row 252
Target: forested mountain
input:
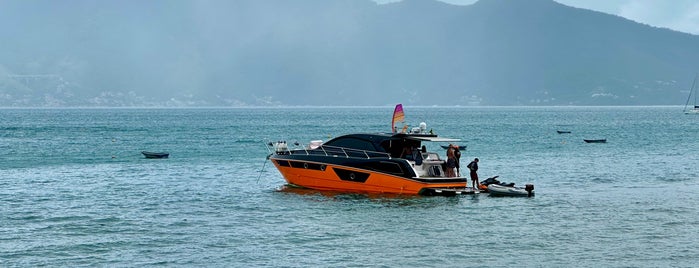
column 341, row 52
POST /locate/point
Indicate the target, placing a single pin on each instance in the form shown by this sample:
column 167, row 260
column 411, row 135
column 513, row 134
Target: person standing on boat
column 407, row 153
column 451, row 162
column 457, row 155
column 473, row 167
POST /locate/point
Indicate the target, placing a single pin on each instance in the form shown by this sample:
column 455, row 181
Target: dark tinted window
column 352, row 143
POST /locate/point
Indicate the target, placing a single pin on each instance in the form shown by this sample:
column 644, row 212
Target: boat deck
column 448, row 191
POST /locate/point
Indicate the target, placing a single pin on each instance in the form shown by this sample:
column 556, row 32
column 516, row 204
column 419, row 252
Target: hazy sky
column 679, row 15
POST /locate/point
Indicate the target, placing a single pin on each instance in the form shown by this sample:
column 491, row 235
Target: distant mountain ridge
column 343, row 52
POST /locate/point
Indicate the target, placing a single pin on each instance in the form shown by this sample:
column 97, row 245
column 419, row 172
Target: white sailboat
column 692, row 91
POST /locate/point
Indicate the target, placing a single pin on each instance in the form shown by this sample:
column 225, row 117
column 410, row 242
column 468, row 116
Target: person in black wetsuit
column 473, row 167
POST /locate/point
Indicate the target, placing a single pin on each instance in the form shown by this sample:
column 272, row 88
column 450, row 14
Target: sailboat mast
column 691, row 91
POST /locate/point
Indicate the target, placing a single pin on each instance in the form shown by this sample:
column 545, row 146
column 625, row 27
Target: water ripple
column 76, row 191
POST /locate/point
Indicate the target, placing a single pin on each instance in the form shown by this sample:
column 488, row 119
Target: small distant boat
column 461, row 147
column 596, row 141
column 692, row 91
column 156, row 154
column 563, row 131
column 500, row 190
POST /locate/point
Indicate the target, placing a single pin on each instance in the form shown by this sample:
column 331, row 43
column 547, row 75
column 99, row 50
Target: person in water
column 473, row 167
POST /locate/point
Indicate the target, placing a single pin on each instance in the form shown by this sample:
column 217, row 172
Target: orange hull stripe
column 376, row 183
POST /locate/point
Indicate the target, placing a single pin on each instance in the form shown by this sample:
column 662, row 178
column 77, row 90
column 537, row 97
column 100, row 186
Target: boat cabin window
column 352, row 143
column 401, row 148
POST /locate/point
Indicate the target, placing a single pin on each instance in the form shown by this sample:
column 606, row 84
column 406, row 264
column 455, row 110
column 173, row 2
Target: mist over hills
column 342, row 52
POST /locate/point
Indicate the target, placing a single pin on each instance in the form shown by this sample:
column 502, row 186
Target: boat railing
column 347, row 152
column 327, row 150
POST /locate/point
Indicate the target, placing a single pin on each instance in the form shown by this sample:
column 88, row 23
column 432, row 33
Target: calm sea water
column 75, row 190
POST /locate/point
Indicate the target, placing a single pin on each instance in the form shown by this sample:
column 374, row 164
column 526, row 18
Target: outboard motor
column 529, row 188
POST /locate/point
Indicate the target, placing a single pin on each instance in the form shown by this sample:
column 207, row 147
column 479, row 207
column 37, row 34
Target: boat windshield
column 352, row 143
column 401, row 148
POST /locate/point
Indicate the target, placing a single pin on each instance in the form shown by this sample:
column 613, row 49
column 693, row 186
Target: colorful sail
column 398, row 116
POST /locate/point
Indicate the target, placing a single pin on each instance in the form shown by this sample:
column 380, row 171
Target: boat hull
column 345, row 178
column 499, row 190
column 155, row 155
column 596, row 141
column 461, row 147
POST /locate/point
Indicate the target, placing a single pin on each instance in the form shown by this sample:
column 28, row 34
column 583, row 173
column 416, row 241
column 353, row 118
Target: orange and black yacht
column 392, row 163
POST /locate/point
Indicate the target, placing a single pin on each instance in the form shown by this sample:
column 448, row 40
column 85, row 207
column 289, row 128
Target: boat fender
column 529, row 188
